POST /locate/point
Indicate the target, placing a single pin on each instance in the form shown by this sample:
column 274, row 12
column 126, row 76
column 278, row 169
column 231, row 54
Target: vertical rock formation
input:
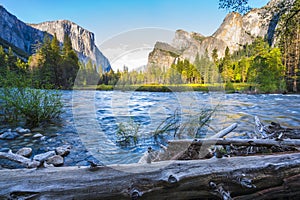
column 23, row 37
column 83, row 41
column 235, row 31
column 17, row 33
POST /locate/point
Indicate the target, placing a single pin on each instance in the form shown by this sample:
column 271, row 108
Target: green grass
column 229, row 88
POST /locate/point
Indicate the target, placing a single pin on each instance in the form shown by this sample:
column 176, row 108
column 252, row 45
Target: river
column 91, row 119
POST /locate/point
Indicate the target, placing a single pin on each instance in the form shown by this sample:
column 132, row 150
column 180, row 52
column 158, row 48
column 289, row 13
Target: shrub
column 20, row 103
column 127, row 133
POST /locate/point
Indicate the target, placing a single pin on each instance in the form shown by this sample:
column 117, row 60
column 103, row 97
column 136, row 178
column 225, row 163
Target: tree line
column 273, row 69
column 53, row 66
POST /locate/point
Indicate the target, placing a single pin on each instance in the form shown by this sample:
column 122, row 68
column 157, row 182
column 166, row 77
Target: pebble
column 63, row 150
column 22, row 130
column 37, row 135
column 27, row 134
column 55, row 160
column 25, row 151
column 43, row 138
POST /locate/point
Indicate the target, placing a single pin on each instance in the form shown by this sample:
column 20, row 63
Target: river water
column 91, row 120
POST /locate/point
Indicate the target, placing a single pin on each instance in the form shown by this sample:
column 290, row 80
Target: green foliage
column 54, row 65
column 21, row 103
column 288, row 32
column 269, row 71
column 240, row 6
column 127, row 133
column 186, row 123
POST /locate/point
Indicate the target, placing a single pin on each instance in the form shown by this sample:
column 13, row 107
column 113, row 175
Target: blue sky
column 126, row 30
column 109, row 17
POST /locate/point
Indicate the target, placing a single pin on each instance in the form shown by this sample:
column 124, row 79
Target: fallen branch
column 239, row 142
column 203, row 179
column 20, row 159
column 225, row 131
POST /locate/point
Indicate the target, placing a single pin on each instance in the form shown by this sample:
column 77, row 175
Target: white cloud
column 131, row 59
column 133, row 47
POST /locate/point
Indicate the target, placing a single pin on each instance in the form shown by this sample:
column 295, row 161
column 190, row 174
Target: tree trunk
column 239, row 142
column 259, row 177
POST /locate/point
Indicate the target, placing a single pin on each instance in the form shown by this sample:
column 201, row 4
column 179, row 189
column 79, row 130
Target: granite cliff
column 83, row 41
column 23, row 37
column 17, row 34
column 235, row 31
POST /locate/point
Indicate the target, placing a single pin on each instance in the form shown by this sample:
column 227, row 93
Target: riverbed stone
column 22, row 130
column 9, row 135
column 43, row 138
column 63, row 150
column 55, row 160
column 27, row 134
column 37, row 135
column 25, row 151
column 44, row 156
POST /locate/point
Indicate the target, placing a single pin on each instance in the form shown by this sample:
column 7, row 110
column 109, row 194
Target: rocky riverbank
column 57, row 148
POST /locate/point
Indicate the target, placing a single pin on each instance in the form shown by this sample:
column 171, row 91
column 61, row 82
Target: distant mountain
column 16, row 34
column 235, row 31
column 23, row 37
column 83, row 41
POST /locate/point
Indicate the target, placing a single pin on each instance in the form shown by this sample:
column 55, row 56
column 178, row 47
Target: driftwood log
column 26, row 162
column 274, row 130
column 239, row 142
column 249, row 177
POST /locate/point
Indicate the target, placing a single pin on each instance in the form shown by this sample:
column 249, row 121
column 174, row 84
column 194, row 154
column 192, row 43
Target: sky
column 108, row 19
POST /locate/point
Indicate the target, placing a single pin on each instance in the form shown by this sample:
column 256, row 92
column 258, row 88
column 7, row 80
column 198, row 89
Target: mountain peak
column 25, row 36
column 83, row 41
column 236, row 30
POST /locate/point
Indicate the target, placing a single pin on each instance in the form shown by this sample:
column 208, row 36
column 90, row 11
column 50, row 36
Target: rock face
column 235, row 31
column 83, row 41
column 18, row 33
column 24, row 37
column 164, row 53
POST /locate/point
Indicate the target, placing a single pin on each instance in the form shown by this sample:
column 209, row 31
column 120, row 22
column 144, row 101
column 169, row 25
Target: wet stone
column 55, row 160
column 37, row 135
column 63, row 150
column 2, row 130
column 22, row 130
column 25, row 151
column 43, row 138
column 9, row 135
column 27, row 134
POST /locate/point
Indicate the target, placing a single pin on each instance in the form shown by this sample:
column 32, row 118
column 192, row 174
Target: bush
column 127, row 133
column 21, row 103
